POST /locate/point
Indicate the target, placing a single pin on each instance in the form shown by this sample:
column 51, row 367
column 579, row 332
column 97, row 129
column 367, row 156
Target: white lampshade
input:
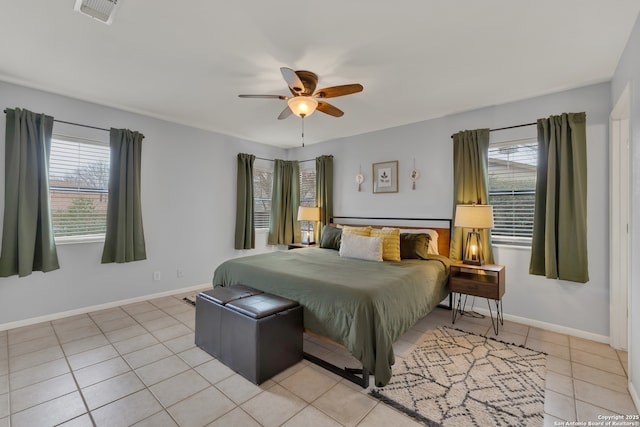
column 302, row 106
column 474, row 216
column 306, row 213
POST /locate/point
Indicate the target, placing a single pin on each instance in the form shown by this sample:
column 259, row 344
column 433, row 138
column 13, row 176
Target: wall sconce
column 310, row 215
column 476, row 217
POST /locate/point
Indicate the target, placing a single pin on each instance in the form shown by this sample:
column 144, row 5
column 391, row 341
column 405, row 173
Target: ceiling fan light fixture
column 302, row 106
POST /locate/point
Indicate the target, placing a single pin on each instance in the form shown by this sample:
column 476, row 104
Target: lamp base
column 473, row 254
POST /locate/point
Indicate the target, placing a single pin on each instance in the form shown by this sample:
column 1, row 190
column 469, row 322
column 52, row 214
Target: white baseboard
column 550, row 327
column 634, row 396
column 83, row 310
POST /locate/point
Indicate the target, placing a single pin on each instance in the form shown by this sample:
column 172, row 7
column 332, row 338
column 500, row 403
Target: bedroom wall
column 566, row 306
column 188, row 203
column 628, row 73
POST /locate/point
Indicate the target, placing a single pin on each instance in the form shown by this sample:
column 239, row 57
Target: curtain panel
column 245, row 231
column 27, row 241
column 284, row 227
column 559, row 244
column 124, row 239
column 470, row 185
column 324, row 192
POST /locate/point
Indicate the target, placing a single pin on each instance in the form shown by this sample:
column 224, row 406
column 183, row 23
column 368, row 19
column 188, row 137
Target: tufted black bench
column 256, row 334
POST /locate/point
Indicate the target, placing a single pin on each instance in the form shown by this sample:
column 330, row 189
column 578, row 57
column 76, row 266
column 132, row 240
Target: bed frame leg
column 356, row 376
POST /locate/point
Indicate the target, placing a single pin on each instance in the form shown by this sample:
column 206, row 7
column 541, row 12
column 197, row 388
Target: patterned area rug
column 455, row 378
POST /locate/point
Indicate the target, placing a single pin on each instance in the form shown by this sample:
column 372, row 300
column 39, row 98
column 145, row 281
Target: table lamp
column 476, row 217
column 310, row 215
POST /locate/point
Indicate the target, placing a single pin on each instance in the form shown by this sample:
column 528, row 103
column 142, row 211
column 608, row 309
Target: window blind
column 262, row 188
column 512, row 185
column 308, row 187
column 79, row 187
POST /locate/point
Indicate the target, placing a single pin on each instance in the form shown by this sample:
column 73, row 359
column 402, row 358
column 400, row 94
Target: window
column 308, row 187
column 262, row 187
column 512, row 188
column 79, row 188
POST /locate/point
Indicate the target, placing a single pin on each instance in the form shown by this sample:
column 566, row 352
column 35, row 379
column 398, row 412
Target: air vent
column 102, row 10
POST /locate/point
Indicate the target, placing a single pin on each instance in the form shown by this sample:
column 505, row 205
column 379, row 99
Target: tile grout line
column 73, row 375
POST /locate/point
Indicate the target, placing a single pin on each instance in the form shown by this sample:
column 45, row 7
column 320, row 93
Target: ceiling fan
column 306, row 99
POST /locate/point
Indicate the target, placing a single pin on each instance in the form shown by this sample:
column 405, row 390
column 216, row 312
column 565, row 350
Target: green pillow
column 331, row 238
column 414, row 246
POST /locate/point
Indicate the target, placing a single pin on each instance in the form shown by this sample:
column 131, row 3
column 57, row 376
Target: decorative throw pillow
column 361, row 247
column 414, row 246
column 331, row 237
column 360, row 231
column 390, row 243
column 433, row 243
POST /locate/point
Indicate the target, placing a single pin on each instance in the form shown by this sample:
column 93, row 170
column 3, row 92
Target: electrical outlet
column 157, row 275
column 179, row 273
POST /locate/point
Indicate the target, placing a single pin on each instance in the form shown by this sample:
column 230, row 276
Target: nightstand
column 300, row 245
column 485, row 281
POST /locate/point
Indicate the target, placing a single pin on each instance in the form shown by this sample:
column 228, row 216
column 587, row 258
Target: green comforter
column 363, row 305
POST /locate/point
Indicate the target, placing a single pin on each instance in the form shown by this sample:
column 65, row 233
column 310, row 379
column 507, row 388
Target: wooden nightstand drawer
column 486, row 281
column 474, row 287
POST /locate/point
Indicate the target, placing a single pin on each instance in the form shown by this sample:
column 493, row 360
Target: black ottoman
column 209, row 306
column 261, row 336
column 256, row 334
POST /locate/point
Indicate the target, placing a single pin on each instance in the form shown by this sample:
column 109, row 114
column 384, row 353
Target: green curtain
column 245, row 232
column 470, row 185
column 324, row 192
column 124, row 240
column 559, row 244
column 27, row 241
column 284, row 227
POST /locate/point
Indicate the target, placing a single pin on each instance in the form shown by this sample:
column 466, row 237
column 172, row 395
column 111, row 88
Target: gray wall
column 188, row 202
column 628, row 73
column 582, row 307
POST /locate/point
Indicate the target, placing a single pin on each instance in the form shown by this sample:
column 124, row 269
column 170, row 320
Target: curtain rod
column 75, row 124
column 510, row 127
column 273, row 160
column 81, row 125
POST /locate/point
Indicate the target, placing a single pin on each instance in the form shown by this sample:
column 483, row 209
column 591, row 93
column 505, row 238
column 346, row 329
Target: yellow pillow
column 358, row 231
column 390, row 243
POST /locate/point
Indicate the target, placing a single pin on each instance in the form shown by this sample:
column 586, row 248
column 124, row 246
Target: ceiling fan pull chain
column 302, row 131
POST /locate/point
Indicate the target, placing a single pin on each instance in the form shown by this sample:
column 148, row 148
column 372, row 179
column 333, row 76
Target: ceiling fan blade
column 329, row 109
column 333, row 91
column 263, row 96
column 295, row 84
column 285, row 113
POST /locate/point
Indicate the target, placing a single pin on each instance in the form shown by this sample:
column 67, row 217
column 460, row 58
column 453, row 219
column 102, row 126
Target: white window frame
column 508, row 162
column 84, row 238
column 267, row 166
column 308, row 177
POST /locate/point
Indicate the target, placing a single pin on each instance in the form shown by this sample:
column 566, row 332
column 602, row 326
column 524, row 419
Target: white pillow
column 433, row 243
column 361, row 247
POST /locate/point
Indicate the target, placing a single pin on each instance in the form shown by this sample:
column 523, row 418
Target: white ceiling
column 186, row 61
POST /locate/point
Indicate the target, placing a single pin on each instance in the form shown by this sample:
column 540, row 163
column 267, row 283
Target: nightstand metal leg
column 457, row 309
column 499, row 320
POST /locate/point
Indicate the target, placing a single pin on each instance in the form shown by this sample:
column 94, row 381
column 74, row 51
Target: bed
column 362, row 305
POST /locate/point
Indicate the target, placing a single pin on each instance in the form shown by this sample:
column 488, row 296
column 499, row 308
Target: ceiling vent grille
column 102, row 10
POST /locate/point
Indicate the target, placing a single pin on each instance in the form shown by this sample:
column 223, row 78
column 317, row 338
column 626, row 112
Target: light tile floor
column 137, row 365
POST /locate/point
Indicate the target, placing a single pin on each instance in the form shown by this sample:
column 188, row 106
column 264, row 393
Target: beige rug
column 456, row 378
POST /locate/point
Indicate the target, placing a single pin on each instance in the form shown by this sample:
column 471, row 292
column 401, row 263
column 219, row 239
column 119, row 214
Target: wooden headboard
column 442, row 226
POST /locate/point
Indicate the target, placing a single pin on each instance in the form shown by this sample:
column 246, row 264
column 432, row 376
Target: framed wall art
column 385, row 177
